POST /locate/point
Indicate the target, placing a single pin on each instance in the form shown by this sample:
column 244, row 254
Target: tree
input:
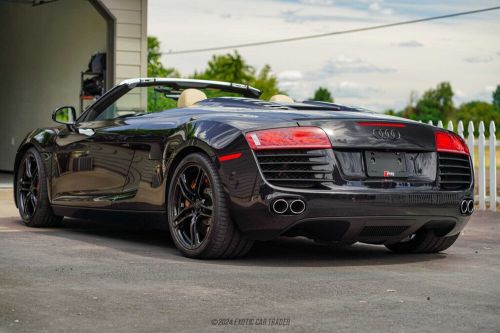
column 476, row 111
column 322, row 94
column 231, row 67
column 436, row 104
column 155, row 66
column 496, row 98
column 266, row 82
column 156, row 101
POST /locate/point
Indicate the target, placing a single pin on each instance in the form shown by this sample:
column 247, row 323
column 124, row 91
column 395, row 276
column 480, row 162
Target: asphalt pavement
column 117, row 276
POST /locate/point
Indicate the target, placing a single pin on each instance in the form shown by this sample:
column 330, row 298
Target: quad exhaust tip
column 294, row 206
column 297, row 206
column 467, row 207
column 470, row 207
column 280, row 206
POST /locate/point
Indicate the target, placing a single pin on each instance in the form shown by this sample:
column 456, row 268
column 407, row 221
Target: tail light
column 288, row 138
column 450, row 143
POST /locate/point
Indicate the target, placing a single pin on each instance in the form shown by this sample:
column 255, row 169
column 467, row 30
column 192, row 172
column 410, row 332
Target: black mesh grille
column 454, row 171
column 296, row 168
column 382, row 231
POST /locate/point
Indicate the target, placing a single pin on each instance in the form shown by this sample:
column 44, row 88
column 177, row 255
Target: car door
column 91, row 164
column 92, row 158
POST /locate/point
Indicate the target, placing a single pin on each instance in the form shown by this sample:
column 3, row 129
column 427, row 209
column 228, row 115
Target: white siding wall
column 131, row 44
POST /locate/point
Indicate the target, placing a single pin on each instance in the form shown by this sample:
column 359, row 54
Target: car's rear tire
column 32, row 193
column 198, row 217
column 424, row 241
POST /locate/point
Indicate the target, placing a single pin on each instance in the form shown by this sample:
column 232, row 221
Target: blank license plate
column 386, row 165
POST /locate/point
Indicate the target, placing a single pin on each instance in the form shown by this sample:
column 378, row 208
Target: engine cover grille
column 296, row 168
column 454, row 171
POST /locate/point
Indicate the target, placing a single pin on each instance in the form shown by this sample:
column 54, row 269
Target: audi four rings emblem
column 386, row 134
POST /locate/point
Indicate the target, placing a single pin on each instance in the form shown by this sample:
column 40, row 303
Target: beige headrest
column 281, row 98
column 189, row 97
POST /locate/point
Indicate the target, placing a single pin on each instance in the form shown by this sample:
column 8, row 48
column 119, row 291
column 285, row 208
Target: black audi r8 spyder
column 227, row 170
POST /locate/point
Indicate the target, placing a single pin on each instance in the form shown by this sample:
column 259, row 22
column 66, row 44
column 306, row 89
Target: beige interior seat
column 281, row 98
column 189, row 97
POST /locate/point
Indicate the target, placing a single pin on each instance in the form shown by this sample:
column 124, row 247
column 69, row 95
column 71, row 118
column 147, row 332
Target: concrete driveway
column 128, row 277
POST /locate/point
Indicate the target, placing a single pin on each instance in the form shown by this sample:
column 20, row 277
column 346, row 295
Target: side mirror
column 64, row 115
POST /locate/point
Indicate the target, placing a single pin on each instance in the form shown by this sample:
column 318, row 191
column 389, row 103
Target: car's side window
column 132, row 103
column 136, row 101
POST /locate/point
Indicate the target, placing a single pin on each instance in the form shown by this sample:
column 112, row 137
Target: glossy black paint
column 125, row 164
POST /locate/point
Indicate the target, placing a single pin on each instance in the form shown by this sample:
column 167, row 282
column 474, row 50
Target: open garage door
column 45, row 47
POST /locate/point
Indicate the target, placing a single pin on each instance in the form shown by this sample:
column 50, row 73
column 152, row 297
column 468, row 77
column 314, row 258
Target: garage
column 46, row 50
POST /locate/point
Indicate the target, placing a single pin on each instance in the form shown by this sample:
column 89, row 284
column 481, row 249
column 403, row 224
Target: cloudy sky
column 375, row 69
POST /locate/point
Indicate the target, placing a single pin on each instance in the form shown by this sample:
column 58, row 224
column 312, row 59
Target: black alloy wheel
column 28, row 186
column 198, row 217
column 31, row 191
column 192, row 206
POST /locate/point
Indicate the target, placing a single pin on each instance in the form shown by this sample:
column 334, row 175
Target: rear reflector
column 229, row 157
column 288, row 138
column 379, row 124
column 450, row 143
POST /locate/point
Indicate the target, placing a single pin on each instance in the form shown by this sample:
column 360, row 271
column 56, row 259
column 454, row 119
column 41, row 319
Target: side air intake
column 454, row 171
column 296, row 168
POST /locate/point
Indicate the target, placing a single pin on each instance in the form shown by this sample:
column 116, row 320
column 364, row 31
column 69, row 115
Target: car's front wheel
column 198, row 217
column 424, row 241
column 32, row 193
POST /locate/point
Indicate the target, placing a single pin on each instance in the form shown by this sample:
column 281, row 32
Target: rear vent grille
column 454, row 171
column 296, row 168
column 382, row 231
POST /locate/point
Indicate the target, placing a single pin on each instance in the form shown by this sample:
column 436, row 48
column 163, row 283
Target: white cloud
column 376, row 6
column 344, row 64
column 290, row 75
column 410, row 43
column 367, row 60
column 352, row 89
column 460, row 97
column 318, row 2
column 478, row 59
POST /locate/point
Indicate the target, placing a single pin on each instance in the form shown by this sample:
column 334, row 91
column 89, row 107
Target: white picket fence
column 480, row 168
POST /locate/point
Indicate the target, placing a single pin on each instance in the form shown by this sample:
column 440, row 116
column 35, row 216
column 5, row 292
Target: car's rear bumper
column 372, row 216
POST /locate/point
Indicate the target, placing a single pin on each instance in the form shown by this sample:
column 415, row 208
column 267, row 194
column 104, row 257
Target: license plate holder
column 386, row 164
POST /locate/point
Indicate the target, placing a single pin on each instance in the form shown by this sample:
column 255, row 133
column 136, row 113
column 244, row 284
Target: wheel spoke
column 209, row 208
column 183, row 216
column 25, row 202
column 33, row 201
column 193, row 231
column 185, row 189
column 24, row 185
column 206, row 211
column 34, row 174
column 27, row 167
column 197, row 182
